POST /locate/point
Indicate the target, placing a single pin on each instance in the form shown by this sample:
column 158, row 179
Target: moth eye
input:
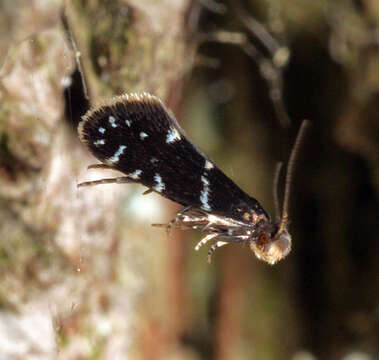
column 263, row 239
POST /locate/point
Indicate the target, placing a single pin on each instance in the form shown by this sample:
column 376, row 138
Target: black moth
column 137, row 135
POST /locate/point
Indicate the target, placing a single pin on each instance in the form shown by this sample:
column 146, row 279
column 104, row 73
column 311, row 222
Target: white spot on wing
column 99, row 142
column 172, row 135
column 160, row 186
column 101, row 130
column 135, row 175
column 116, row 157
column 154, row 160
column 204, row 180
column 127, row 122
column 143, row 135
column 204, row 194
column 204, row 198
column 112, row 121
column 208, row 165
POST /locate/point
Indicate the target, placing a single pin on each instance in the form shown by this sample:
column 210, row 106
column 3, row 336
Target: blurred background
column 83, row 275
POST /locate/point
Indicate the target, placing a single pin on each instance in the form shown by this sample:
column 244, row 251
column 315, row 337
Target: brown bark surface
column 73, row 264
column 82, row 273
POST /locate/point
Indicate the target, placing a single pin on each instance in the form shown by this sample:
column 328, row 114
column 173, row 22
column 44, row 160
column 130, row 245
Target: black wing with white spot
column 139, row 136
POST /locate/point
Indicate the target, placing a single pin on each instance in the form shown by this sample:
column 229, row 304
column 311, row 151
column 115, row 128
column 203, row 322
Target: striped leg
column 100, row 166
column 214, row 247
column 175, row 222
column 205, row 240
column 117, row 180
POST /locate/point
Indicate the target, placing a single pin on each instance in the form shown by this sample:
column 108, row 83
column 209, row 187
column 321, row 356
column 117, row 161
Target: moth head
column 273, row 242
column 272, row 247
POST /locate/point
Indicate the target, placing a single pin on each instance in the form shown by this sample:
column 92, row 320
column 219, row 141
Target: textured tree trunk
column 82, row 273
column 73, row 268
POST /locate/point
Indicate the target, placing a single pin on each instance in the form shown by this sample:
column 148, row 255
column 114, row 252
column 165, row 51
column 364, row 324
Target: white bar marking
column 204, row 180
column 112, row 121
column 172, row 136
column 143, row 135
column 204, row 194
column 135, row 175
column 116, row 157
column 160, row 186
column 208, row 165
column 204, row 199
column 99, row 142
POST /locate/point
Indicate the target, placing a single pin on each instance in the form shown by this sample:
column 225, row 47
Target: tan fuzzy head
column 272, row 249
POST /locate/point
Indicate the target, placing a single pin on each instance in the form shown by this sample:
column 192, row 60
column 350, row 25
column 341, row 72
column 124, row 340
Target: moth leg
column 214, row 247
column 117, row 180
column 176, row 220
column 166, row 226
column 205, row 240
column 100, row 166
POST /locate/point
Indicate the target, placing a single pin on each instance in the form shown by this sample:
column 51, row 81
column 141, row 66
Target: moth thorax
column 272, row 248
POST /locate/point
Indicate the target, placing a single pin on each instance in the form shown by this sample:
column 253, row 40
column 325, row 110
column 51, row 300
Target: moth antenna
column 289, row 174
column 74, row 48
column 278, row 168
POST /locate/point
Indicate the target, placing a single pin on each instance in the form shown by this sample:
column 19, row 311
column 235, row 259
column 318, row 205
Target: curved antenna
column 289, row 175
column 77, row 54
column 278, row 167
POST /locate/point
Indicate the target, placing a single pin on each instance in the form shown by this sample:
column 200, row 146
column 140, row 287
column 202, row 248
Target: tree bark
column 74, row 266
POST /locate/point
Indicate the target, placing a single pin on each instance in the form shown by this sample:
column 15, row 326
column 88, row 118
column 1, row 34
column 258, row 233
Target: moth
column 137, row 135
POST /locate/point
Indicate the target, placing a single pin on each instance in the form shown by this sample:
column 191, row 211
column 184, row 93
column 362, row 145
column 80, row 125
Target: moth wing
column 137, row 135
